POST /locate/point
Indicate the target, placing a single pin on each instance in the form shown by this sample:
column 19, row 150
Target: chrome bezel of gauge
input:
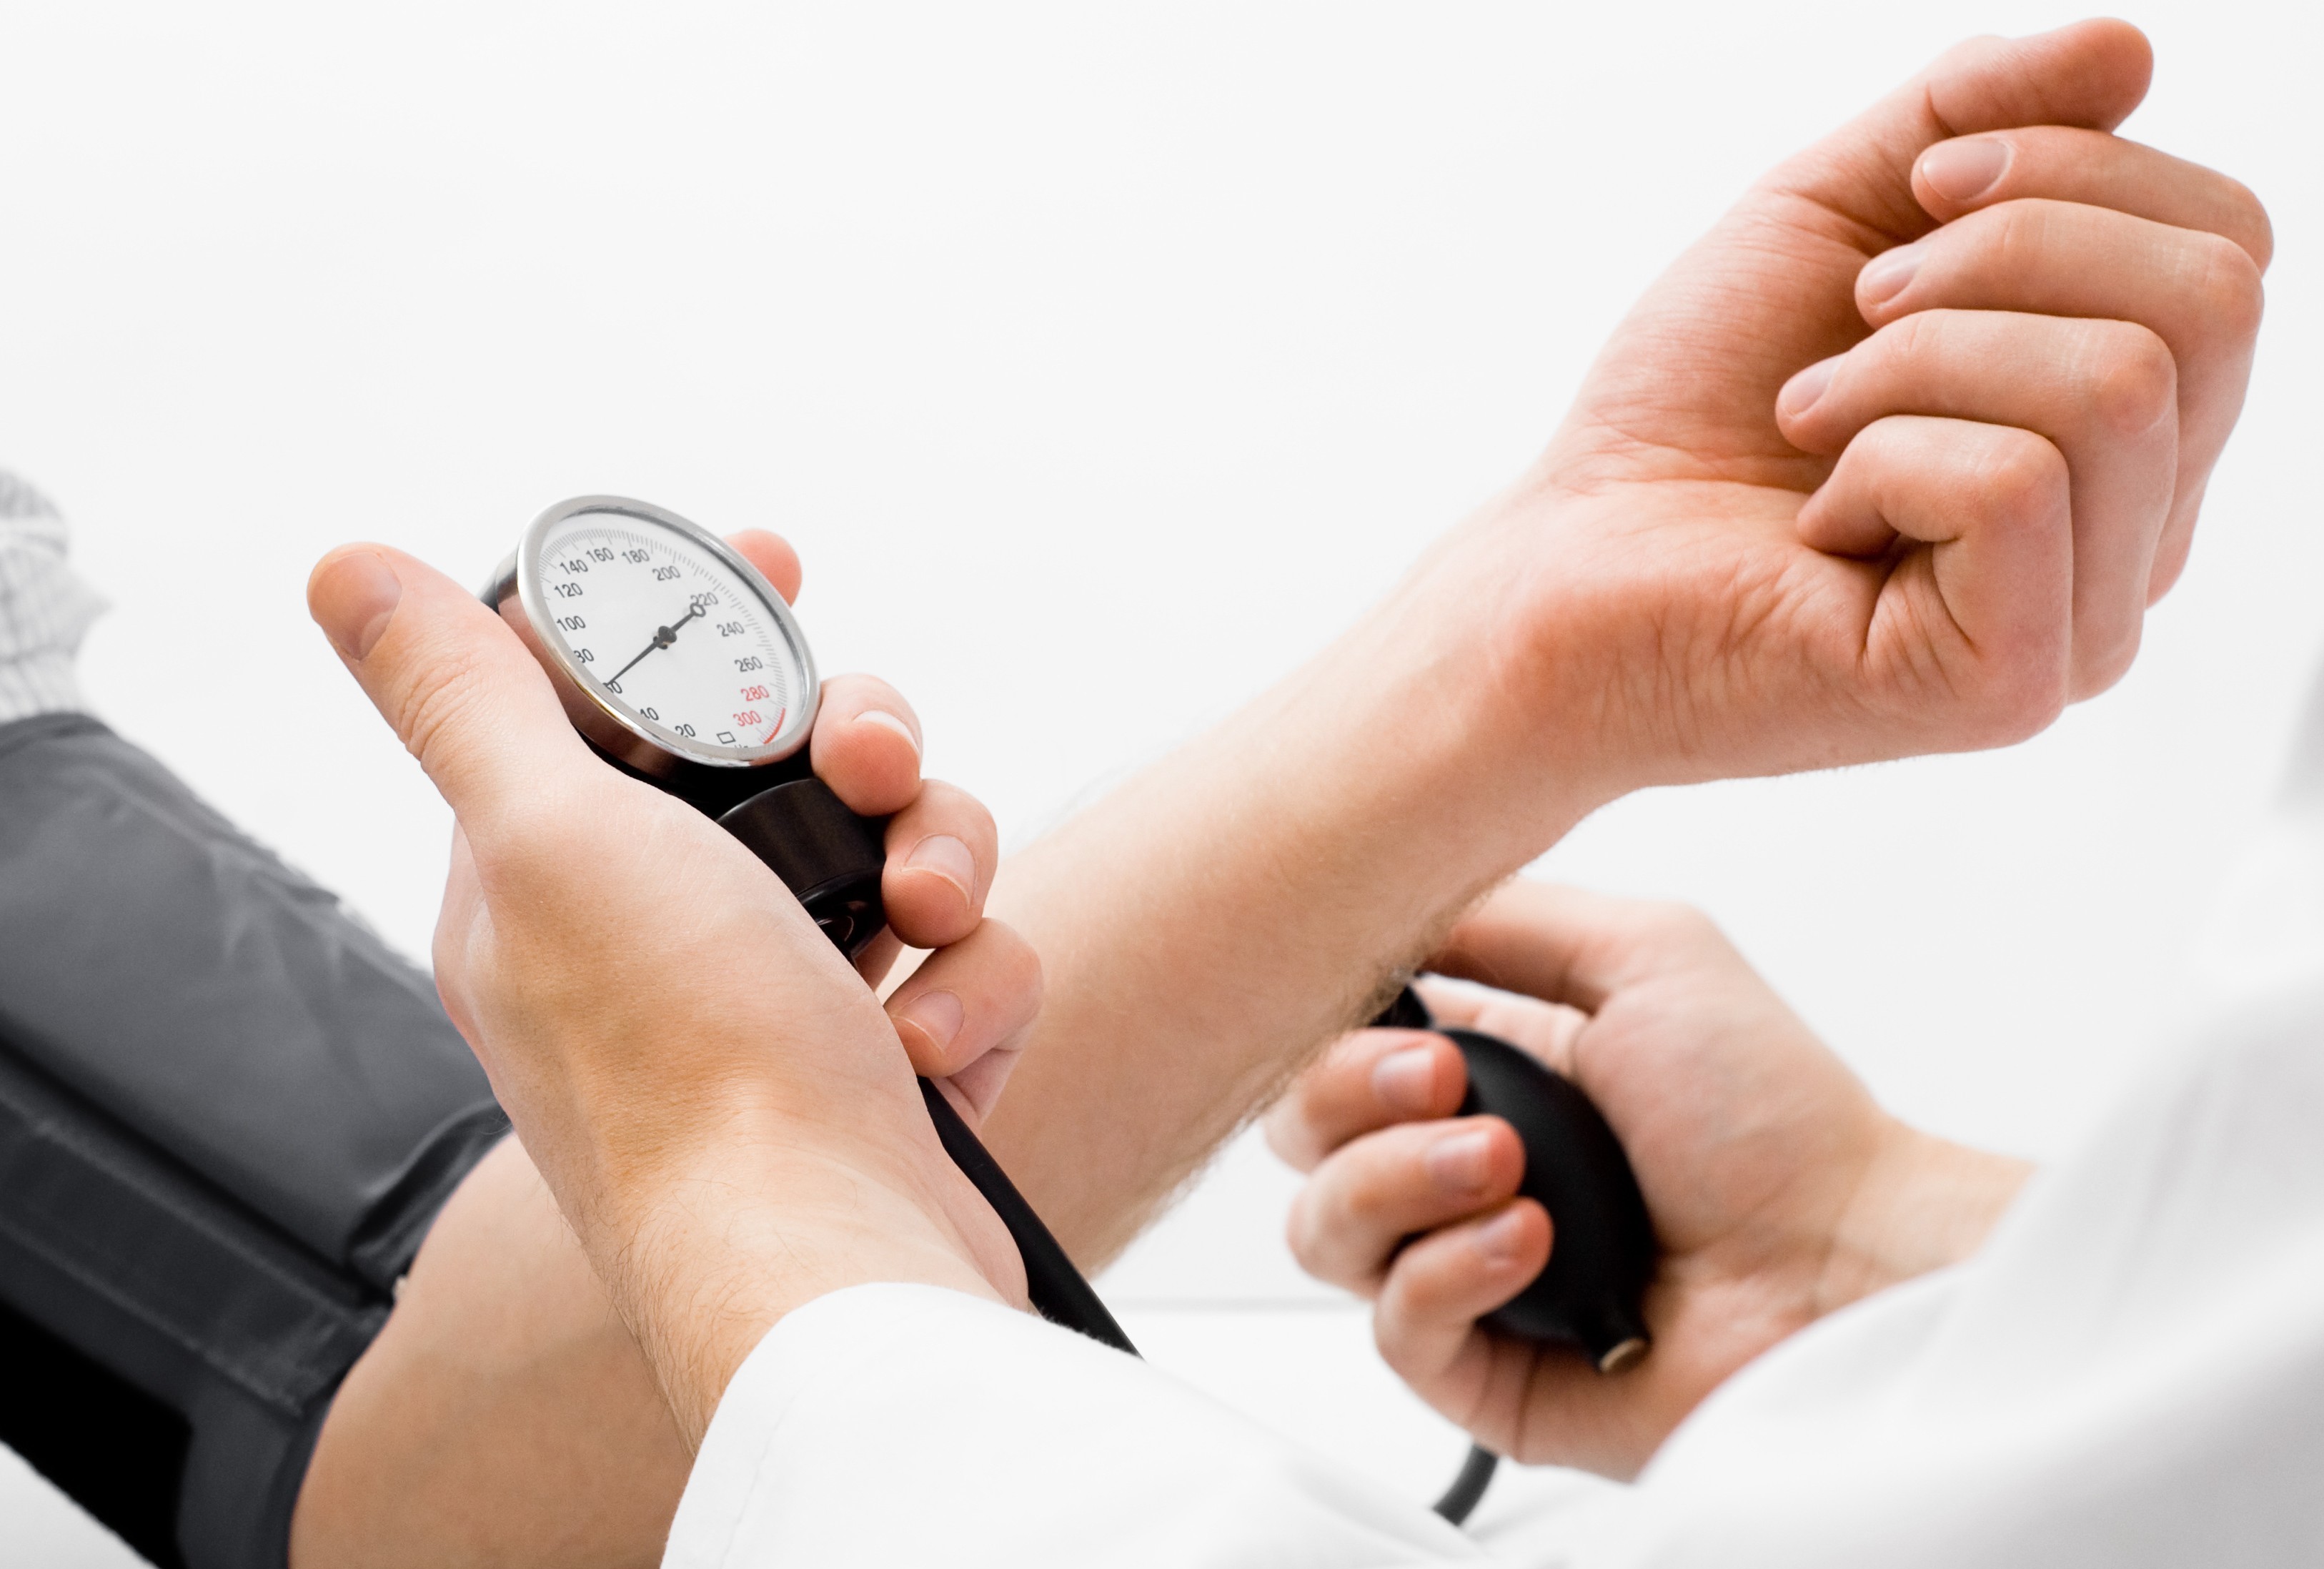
column 646, row 746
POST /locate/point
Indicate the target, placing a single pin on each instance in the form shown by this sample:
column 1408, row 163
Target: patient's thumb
column 460, row 691
column 2088, row 74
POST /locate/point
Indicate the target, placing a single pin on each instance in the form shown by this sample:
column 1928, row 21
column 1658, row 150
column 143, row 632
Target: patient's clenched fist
column 2112, row 334
column 1894, row 460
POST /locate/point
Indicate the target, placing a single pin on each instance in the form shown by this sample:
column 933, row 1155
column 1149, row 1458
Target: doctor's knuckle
column 1392, row 1331
column 1309, row 1230
column 1368, row 1200
column 1288, row 1140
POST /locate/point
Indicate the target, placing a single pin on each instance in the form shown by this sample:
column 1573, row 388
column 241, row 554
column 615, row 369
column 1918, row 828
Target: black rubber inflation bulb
column 1602, row 1248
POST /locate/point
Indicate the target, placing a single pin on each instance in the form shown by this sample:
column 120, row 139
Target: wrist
column 1532, row 618
column 1429, row 731
column 1922, row 1203
column 703, row 1246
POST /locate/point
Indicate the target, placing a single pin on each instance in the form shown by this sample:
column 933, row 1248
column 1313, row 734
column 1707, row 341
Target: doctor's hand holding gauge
column 682, row 665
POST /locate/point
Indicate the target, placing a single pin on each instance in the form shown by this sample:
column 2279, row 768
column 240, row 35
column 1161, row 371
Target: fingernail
column 938, row 1015
column 881, row 716
column 1500, row 1238
column 1966, row 170
column 353, row 600
column 1800, row 393
column 1886, row 275
column 1458, row 1162
column 948, row 858
column 1403, row 1079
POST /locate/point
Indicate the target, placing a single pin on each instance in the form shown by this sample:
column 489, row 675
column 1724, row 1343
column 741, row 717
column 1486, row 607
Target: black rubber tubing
column 1461, row 1500
column 1052, row 1283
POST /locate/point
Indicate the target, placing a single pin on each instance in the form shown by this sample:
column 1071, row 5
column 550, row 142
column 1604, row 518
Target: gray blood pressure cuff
column 229, row 1114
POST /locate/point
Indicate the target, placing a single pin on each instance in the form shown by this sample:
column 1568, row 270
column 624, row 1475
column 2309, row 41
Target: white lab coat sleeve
column 896, row 1424
column 2130, row 1376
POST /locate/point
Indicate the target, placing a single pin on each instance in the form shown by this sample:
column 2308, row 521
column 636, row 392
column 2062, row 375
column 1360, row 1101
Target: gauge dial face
column 673, row 632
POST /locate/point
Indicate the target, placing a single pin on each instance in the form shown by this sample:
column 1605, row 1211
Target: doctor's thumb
column 447, row 675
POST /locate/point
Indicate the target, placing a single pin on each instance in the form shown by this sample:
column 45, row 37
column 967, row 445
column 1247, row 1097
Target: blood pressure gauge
column 678, row 661
column 667, row 647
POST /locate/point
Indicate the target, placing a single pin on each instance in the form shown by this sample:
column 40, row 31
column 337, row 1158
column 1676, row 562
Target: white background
column 1101, row 362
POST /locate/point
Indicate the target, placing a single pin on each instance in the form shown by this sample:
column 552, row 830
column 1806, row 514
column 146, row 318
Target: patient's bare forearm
column 1211, row 924
column 504, row 1417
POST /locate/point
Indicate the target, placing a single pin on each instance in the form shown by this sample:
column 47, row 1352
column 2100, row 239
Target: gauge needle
column 662, row 638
